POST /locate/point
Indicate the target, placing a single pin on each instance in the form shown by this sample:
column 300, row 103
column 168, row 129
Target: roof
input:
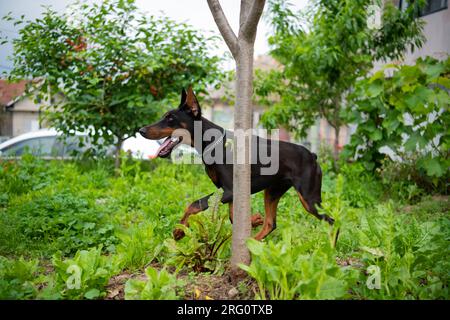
column 9, row 91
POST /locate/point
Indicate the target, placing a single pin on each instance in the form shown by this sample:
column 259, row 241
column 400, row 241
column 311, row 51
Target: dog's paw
column 178, row 234
column 328, row 219
column 257, row 220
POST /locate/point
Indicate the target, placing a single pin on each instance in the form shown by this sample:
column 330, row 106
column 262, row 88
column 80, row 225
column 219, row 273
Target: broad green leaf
column 376, row 135
column 255, row 247
column 332, row 288
column 375, row 88
column 434, row 168
column 92, row 294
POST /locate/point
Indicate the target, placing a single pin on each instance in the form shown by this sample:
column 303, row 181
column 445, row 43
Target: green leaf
column 92, row 294
column 391, row 124
column 375, row 88
column 332, row 288
column 443, row 81
column 434, row 167
column 414, row 139
column 433, row 71
column 376, row 135
column 255, row 247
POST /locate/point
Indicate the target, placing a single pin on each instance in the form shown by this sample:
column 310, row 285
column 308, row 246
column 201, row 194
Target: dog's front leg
column 194, row 207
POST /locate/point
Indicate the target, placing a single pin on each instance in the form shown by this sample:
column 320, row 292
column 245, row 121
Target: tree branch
column 248, row 28
column 224, row 27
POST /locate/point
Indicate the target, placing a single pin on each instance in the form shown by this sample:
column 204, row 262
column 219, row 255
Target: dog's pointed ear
column 183, row 96
column 192, row 103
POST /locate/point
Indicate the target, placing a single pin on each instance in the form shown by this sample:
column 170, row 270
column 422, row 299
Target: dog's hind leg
column 310, row 205
column 309, row 188
column 257, row 220
column 194, row 207
column 272, row 196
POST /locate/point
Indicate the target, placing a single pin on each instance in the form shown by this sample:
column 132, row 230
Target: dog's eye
column 170, row 119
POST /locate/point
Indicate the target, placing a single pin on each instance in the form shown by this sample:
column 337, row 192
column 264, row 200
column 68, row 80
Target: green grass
column 57, row 218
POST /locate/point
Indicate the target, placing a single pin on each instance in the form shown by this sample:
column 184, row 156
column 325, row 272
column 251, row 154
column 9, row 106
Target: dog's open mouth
column 167, row 146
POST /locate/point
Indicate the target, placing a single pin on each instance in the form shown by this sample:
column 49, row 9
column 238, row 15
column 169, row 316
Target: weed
column 206, row 244
column 83, row 277
column 17, row 278
column 138, row 246
column 158, row 286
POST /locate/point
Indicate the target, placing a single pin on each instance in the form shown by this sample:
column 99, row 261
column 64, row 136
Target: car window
column 71, row 145
column 44, row 146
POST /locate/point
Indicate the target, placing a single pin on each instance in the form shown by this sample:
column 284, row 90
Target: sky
column 194, row 12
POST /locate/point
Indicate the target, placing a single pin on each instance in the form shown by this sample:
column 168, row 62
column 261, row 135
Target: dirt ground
column 201, row 286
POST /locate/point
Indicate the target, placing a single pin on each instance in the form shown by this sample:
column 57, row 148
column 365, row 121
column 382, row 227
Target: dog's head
column 180, row 119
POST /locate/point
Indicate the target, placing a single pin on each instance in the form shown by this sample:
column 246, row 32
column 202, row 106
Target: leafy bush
column 407, row 112
column 158, row 286
column 406, row 181
column 17, row 278
column 66, row 221
column 23, row 176
column 361, row 189
column 83, row 277
column 412, row 256
column 290, row 270
column 138, row 246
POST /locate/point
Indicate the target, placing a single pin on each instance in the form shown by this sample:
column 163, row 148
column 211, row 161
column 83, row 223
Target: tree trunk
column 241, row 48
column 117, row 154
column 241, row 172
column 337, row 129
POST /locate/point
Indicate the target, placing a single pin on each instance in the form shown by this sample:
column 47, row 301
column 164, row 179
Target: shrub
column 290, row 270
column 64, row 221
column 411, row 256
column 407, row 111
column 17, row 278
column 406, row 181
column 139, row 245
column 362, row 190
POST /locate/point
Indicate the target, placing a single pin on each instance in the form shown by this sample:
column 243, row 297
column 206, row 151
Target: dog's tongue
column 162, row 146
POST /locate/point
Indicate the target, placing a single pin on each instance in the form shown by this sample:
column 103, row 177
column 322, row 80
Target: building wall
column 26, row 104
column 23, row 117
column 24, row 121
column 5, row 123
column 437, row 33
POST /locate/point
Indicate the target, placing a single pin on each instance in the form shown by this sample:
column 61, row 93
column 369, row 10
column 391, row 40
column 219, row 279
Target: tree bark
column 242, row 172
column 337, row 129
column 241, row 48
column 117, row 154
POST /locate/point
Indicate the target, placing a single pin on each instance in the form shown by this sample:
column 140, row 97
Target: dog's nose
column 142, row 131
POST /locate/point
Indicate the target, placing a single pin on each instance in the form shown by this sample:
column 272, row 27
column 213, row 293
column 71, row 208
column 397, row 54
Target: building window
column 430, row 7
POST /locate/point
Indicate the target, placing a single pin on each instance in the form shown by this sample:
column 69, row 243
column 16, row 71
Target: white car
column 49, row 143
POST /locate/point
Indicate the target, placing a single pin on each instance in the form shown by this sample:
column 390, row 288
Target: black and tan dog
column 297, row 166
